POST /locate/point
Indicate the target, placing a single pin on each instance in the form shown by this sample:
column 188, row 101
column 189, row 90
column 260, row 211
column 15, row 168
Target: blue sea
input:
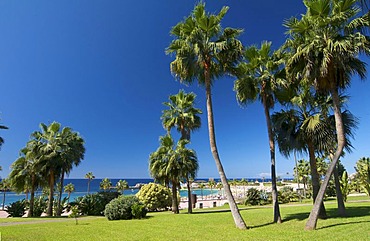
column 81, row 188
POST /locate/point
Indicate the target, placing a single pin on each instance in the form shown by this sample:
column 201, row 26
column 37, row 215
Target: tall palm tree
column 182, row 115
column 4, row 187
column 105, row 184
column 89, row 176
column 325, row 45
column 121, row 186
column 259, row 78
column 204, row 52
column 58, row 150
column 303, row 128
column 69, row 188
column 71, row 155
column 25, row 174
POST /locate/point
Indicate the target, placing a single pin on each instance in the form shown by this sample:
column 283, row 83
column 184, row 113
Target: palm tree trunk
column 341, row 141
column 51, row 193
column 338, row 191
column 239, row 222
column 88, row 186
column 190, row 204
column 315, row 178
column 59, row 209
column 175, row 206
column 32, row 199
column 275, row 201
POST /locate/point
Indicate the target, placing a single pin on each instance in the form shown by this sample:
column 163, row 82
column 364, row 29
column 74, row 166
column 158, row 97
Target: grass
column 206, row 224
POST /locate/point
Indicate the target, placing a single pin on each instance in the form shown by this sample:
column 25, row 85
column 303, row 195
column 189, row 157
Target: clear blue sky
column 100, row 68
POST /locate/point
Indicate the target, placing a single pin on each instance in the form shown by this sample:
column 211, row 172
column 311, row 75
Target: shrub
column 94, row 204
column 286, row 195
column 122, row 208
column 16, row 209
column 138, row 211
column 39, row 206
column 155, row 196
column 256, row 197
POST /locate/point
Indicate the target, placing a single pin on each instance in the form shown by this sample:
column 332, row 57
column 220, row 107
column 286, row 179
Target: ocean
column 81, row 188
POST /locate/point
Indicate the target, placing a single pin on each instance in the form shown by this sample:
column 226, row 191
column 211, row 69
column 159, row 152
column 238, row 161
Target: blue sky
column 100, row 68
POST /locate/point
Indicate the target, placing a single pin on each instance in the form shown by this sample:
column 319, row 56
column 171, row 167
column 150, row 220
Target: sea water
column 81, row 189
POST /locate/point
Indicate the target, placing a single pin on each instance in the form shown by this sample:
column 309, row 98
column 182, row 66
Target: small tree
column 90, row 176
column 122, row 186
column 105, row 184
column 69, row 188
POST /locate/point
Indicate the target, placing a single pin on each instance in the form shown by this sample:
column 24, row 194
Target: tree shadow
column 296, row 216
column 341, row 224
column 359, row 211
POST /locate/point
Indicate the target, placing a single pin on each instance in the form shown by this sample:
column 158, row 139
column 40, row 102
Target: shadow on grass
column 358, row 211
column 341, row 224
column 351, row 212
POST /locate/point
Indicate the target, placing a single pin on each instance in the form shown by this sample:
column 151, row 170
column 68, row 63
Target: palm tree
column 204, row 51
column 325, row 45
column 302, row 171
column 90, row 176
column 259, row 78
column 69, row 188
column 173, row 163
column 105, row 184
column 122, row 186
column 25, row 174
column 189, row 166
column 48, row 148
column 58, row 150
column 4, row 187
column 182, row 115
column 71, row 155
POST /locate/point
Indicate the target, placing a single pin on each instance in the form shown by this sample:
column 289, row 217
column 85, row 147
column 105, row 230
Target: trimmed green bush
column 121, row 208
column 155, row 197
column 16, row 209
column 138, row 211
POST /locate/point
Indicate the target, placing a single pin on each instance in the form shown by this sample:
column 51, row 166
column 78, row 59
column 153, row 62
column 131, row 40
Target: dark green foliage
column 257, row 197
column 286, row 195
column 16, row 209
column 138, row 211
column 39, row 206
column 330, row 191
column 94, row 204
column 122, row 208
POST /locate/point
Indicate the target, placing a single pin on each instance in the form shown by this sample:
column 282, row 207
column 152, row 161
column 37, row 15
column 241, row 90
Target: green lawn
column 207, row 224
